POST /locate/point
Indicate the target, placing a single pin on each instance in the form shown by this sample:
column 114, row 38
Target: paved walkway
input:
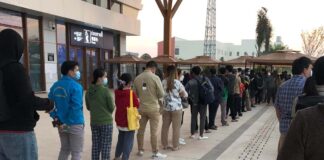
column 254, row 137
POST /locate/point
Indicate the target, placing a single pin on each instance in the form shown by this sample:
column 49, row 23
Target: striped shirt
column 284, row 99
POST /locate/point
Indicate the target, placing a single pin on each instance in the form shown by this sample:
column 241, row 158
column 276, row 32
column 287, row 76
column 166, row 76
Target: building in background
column 186, row 49
column 87, row 31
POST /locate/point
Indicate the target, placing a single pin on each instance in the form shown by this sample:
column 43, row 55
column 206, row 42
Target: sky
column 235, row 20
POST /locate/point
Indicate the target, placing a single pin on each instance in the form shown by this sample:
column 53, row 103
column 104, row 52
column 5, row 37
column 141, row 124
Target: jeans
column 271, row 94
column 18, row 146
column 212, row 108
column 231, row 106
column 238, row 104
column 72, row 142
column 201, row 109
column 223, row 111
column 124, row 144
column 101, row 141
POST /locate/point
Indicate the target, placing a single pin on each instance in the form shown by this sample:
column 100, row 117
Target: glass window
column 230, row 54
column 237, row 53
column 35, row 65
column 33, row 29
column 61, row 33
column 10, row 18
column 116, row 7
column 34, row 53
column 61, row 57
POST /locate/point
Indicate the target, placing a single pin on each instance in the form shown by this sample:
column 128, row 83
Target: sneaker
column 225, row 124
column 213, row 127
column 240, row 114
column 192, row 136
column 140, row 153
column 182, row 142
column 181, row 139
column 158, row 155
column 234, row 120
column 208, row 131
column 202, row 137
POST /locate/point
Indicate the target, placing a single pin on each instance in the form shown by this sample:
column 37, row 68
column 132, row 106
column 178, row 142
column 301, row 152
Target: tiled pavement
column 254, row 137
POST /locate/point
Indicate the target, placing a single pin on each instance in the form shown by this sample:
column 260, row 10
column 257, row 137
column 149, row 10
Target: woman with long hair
column 99, row 102
column 172, row 110
column 122, row 100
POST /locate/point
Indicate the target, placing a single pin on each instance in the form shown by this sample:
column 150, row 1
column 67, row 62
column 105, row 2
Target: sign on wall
column 82, row 36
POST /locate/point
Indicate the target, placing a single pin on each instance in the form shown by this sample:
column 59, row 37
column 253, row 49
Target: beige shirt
column 237, row 85
column 148, row 88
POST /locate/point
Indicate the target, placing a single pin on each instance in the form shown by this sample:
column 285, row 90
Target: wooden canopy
column 125, row 59
column 164, row 59
column 284, row 57
column 201, row 60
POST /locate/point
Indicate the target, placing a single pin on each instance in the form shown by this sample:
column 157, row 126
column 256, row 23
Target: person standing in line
column 231, row 95
column 224, row 97
column 218, row 90
column 172, row 111
column 301, row 68
column 192, row 88
column 100, row 103
column 149, row 89
column 181, row 140
column 237, row 93
column 122, row 99
column 304, row 140
column 68, row 116
column 18, row 116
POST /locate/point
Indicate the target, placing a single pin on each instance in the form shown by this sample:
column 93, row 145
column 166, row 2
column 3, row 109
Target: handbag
column 185, row 102
column 132, row 114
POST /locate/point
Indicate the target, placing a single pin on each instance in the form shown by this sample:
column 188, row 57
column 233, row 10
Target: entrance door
column 76, row 54
column 92, row 60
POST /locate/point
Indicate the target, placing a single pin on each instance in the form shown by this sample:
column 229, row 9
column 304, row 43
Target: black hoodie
column 21, row 99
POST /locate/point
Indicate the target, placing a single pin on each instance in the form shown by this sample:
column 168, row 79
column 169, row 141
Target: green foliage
column 263, row 31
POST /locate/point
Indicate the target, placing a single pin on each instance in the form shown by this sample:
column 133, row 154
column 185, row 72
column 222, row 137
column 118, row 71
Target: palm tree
column 263, row 31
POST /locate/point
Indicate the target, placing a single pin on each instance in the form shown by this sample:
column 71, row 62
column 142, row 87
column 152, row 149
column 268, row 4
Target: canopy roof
column 202, row 60
column 125, row 59
column 164, row 59
column 282, row 57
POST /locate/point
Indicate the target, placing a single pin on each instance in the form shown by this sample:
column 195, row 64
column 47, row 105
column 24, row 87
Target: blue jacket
column 68, row 96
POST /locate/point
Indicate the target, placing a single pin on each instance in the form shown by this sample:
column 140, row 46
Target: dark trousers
column 195, row 109
column 124, row 144
column 212, row 111
column 238, row 104
column 231, row 106
column 258, row 97
column 271, row 94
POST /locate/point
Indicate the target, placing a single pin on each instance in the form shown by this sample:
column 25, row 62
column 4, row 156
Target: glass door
column 76, row 54
column 92, row 57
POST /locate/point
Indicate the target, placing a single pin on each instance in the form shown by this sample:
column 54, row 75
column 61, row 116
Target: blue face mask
column 77, row 75
column 105, row 81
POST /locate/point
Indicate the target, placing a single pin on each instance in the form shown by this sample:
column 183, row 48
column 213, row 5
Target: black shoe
column 240, row 114
column 213, row 127
column 244, row 111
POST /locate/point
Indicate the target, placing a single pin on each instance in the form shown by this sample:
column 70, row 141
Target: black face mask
column 11, row 45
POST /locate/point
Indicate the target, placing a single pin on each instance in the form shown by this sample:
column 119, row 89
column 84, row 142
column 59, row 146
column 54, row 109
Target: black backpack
column 4, row 106
column 206, row 91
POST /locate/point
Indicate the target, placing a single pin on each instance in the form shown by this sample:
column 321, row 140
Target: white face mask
column 311, row 73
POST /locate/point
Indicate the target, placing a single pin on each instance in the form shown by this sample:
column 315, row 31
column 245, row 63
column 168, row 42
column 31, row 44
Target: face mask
column 77, row 75
column 105, row 81
column 311, row 73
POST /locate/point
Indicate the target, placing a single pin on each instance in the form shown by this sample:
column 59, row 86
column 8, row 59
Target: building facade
column 87, row 31
column 186, row 49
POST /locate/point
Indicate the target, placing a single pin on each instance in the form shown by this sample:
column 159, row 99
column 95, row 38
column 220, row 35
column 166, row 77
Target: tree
column 313, row 42
column 263, row 31
column 277, row 47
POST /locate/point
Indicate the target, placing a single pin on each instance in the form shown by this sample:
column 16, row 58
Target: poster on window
column 84, row 36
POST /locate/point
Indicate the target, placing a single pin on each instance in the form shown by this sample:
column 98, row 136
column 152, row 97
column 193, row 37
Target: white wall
column 79, row 11
column 49, row 47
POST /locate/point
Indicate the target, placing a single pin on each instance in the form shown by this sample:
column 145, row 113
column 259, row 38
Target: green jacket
column 100, row 103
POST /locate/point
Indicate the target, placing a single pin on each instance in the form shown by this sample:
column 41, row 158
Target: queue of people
column 298, row 101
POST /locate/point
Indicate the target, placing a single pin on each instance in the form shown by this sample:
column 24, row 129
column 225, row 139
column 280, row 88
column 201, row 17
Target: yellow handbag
column 132, row 115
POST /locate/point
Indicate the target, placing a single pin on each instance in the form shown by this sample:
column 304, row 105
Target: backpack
column 302, row 102
column 206, row 91
column 4, row 106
